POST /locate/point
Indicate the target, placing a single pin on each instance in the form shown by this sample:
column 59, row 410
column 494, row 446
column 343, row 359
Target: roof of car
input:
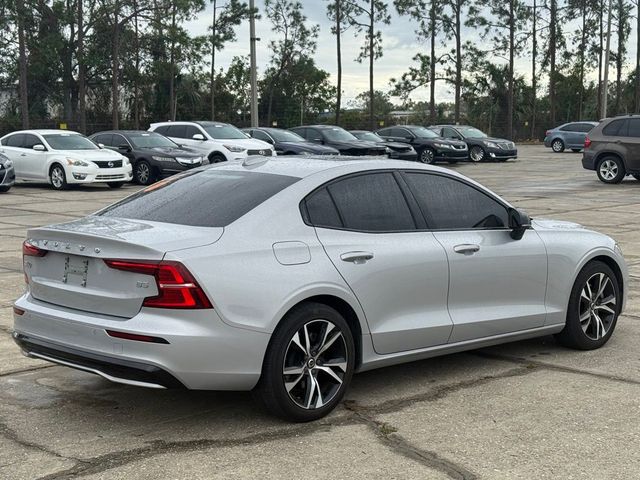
column 45, row 131
column 321, row 127
column 188, row 122
column 124, row 132
column 305, row 166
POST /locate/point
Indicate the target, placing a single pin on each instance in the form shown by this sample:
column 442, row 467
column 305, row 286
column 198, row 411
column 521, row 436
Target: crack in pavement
column 554, row 367
column 356, row 414
column 25, row 370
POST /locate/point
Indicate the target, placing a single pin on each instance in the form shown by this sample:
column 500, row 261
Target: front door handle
column 356, row 257
column 466, row 248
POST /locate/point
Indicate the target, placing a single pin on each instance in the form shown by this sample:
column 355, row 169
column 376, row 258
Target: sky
column 399, row 42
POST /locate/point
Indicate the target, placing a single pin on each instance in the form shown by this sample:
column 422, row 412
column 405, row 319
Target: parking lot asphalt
column 524, row 410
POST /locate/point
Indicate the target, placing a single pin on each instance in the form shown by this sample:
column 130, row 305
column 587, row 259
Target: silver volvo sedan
column 286, row 276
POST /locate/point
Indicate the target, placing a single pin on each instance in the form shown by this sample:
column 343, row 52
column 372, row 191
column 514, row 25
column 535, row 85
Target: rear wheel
column 557, row 145
column 427, row 155
column 115, row 184
column 308, row 365
column 143, row 173
column 594, row 306
column 476, row 154
column 611, row 170
column 57, row 177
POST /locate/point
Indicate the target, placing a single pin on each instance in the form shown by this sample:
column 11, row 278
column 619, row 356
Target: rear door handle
column 466, row 248
column 356, row 257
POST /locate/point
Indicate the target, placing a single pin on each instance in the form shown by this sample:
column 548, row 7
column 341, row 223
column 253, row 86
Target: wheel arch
column 605, row 256
column 608, row 153
column 215, row 152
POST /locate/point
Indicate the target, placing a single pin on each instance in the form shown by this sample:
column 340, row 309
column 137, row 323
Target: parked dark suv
column 612, row 149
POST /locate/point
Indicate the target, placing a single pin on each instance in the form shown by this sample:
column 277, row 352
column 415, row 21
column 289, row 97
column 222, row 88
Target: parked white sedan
column 61, row 157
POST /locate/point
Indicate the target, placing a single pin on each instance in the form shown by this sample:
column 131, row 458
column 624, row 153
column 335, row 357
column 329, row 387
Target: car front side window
column 450, row 204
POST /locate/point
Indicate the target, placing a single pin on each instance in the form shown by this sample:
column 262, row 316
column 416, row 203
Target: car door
column 633, row 145
column 397, row 270
column 34, row 162
column 572, row 135
column 497, row 285
column 202, row 146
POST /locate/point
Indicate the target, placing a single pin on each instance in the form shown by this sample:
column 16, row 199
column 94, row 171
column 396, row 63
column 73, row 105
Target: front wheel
column 427, row 155
column 476, row 154
column 611, row 170
column 308, row 365
column 594, row 306
column 57, row 177
column 557, row 145
column 142, row 173
column 217, row 158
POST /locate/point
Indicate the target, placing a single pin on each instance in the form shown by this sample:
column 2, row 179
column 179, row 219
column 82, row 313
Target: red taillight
column 18, row 311
column 587, row 142
column 546, row 134
column 176, row 286
column 30, row 250
column 135, row 337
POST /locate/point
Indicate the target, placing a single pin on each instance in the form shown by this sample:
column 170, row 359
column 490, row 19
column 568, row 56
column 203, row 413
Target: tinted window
column 571, row 127
column 118, row 140
column 261, row 136
column 13, row 140
column 584, row 127
column 615, row 128
column 313, row 134
column 69, row 141
column 103, row 139
column 372, row 202
column 227, row 195
column 450, row 204
column 191, row 131
column 162, row 130
column 449, row 132
column 30, row 140
column 322, row 211
column 177, row 131
column 300, row 131
column 634, row 127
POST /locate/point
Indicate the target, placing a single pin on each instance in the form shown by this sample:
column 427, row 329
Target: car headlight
column 442, row 145
column 160, row 158
column 74, row 162
column 491, row 144
column 234, row 148
column 387, row 150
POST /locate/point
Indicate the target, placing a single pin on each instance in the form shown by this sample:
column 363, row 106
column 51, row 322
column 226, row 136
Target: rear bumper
column 588, row 160
column 202, row 353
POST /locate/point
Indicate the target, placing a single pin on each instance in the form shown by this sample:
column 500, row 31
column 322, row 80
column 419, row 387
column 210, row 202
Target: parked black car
column 152, row 155
column 398, row 150
column 481, row 146
column 430, row 147
column 339, row 139
column 289, row 143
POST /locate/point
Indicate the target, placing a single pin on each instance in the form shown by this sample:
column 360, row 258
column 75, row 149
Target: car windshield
column 422, row 132
column 151, row 140
column 285, row 136
column 338, row 135
column 470, row 132
column 69, row 141
column 223, row 132
column 369, row 137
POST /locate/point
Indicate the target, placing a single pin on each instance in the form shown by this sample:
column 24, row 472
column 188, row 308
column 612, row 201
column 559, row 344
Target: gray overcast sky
column 399, row 40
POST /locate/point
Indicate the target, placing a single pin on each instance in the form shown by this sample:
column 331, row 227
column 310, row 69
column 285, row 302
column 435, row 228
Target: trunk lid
column 73, row 273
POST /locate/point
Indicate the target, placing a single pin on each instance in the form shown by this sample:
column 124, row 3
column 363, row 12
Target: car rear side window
column 449, row 204
column 322, row 211
column 13, row 140
column 162, row 130
column 203, row 198
column 634, row 127
column 616, row 128
column 371, row 202
column 177, row 131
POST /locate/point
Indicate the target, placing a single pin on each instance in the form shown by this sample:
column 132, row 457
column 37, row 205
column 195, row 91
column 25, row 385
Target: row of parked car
column 63, row 157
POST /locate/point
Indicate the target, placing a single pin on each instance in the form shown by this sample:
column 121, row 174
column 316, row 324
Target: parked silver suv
column 612, row 149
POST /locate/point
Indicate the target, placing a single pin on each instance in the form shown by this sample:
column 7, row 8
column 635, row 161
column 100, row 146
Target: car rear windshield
column 203, row 198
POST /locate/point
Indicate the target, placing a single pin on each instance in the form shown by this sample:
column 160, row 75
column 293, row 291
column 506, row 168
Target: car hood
column 91, row 155
column 394, row 144
column 172, row 151
column 445, row 141
column 306, row 147
column 248, row 143
column 551, row 224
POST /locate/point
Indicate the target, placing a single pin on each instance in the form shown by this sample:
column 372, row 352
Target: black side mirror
column 519, row 221
column 124, row 147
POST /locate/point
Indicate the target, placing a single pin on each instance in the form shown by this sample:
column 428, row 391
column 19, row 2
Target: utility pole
column 254, row 72
column 605, row 81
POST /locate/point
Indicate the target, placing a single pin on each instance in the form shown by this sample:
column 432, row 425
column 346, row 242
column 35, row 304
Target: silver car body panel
column 414, row 299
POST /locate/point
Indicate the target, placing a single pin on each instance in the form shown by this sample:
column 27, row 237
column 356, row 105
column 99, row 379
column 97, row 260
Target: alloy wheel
column 315, row 364
column 609, row 169
column 57, row 177
column 476, row 154
column 142, row 172
column 597, row 308
column 427, row 156
column 557, row 146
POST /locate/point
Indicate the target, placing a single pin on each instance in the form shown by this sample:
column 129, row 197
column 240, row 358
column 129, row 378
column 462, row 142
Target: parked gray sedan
column 7, row 174
column 303, row 274
column 569, row 135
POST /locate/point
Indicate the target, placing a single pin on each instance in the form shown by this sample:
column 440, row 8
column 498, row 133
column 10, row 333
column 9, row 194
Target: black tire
column 115, row 184
column 217, row 158
column 557, row 145
column 580, row 335
column 452, row 162
column 271, row 391
column 427, row 155
column 57, row 177
column 143, row 173
column 5, row 188
column 636, row 176
column 576, row 150
column 477, row 154
column 611, row 170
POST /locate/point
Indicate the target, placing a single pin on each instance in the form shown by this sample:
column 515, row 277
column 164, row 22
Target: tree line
column 124, row 63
